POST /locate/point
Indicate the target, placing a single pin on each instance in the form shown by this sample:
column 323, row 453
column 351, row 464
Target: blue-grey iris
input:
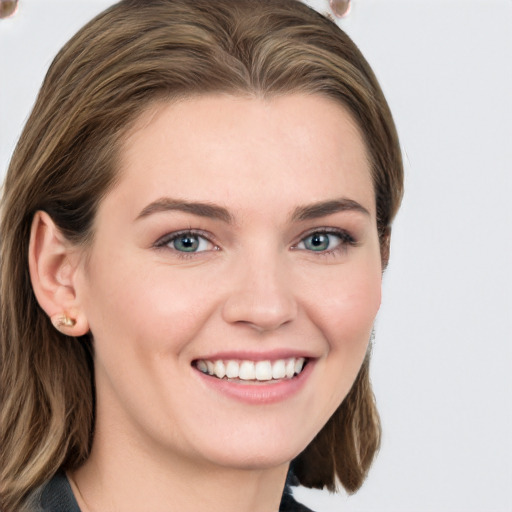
column 186, row 243
column 317, row 242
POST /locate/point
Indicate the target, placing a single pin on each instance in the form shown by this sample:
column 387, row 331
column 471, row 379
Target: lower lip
column 265, row 392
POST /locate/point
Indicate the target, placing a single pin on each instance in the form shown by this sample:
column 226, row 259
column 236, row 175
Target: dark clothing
column 57, row 496
column 288, row 503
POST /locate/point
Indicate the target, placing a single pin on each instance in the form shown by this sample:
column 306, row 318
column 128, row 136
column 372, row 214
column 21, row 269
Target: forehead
column 295, row 147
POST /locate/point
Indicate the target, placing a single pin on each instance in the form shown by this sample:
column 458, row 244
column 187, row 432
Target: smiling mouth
column 252, row 371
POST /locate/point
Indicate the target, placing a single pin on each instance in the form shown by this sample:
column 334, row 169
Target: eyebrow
column 201, row 209
column 323, row 208
column 213, row 211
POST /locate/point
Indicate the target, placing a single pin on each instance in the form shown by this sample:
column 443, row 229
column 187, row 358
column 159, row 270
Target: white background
column 443, row 352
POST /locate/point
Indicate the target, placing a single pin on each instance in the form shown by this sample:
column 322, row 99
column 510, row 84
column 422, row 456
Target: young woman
column 194, row 227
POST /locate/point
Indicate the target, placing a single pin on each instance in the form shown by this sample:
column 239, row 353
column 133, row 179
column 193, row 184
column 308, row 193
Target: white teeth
column 250, row 370
column 202, row 366
column 263, row 370
column 279, row 369
column 247, row 371
column 232, row 369
column 219, row 369
column 290, row 368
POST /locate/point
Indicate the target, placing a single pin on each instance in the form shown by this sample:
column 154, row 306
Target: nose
column 260, row 296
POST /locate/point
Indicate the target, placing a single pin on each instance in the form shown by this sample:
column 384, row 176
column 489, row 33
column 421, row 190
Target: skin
column 165, row 440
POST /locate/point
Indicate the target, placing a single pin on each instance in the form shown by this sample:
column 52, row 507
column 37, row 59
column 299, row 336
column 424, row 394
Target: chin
column 254, row 461
column 259, row 449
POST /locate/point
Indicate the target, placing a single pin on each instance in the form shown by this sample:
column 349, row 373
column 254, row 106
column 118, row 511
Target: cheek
column 178, row 304
column 344, row 313
column 146, row 312
column 347, row 311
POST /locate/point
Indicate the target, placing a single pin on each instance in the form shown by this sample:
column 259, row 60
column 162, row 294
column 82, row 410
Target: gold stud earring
column 63, row 321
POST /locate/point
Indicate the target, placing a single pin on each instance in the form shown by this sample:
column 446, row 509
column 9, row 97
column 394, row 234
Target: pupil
column 318, row 240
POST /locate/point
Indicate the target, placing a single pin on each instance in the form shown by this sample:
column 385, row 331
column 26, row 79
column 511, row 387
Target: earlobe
column 52, row 264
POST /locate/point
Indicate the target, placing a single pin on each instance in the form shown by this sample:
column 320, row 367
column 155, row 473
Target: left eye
column 188, row 242
column 320, row 242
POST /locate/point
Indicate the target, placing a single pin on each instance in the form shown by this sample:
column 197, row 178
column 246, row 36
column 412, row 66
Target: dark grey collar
column 57, row 496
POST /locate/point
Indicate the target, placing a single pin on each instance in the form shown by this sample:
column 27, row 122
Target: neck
column 133, row 480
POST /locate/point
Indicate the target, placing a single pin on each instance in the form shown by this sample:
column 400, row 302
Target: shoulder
column 54, row 496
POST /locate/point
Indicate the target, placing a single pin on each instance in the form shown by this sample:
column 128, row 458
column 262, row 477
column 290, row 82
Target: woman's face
column 240, row 239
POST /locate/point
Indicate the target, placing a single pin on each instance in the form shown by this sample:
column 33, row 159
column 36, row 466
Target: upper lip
column 253, row 355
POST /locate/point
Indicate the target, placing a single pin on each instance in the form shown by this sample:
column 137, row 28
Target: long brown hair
column 133, row 54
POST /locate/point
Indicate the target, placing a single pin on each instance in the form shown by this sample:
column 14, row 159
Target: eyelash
column 345, row 240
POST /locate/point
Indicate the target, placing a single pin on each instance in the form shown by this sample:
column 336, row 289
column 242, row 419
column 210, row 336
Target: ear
column 53, row 261
column 385, row 241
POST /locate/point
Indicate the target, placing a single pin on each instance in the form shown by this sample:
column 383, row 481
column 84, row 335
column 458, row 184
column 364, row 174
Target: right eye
column 186, row 242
